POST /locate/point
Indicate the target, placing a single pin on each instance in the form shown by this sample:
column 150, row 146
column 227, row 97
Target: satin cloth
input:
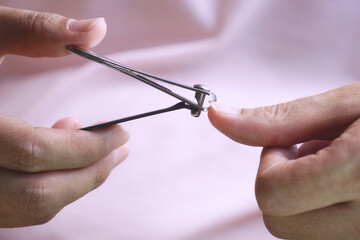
column 183, row 179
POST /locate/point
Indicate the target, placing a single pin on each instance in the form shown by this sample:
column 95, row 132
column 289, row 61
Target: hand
column 312, row 192
column 44, row 169
column 35, row 34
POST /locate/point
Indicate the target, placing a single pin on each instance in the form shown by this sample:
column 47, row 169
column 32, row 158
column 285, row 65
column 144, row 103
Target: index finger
column 30, row 149
column 324, row 116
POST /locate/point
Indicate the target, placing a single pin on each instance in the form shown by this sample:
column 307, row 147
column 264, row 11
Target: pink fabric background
column 183, row 179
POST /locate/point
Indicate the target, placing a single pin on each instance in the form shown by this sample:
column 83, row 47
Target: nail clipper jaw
column 200, row 98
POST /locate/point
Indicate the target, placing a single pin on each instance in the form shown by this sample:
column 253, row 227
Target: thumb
column 38, row 34
column 322, row 117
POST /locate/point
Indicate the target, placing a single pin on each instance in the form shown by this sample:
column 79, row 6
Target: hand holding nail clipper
column 44, row 169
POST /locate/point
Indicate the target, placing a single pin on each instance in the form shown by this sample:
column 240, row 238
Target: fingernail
column 83, row 25
column 225, row 109
column 121, row 154
column 116, row 138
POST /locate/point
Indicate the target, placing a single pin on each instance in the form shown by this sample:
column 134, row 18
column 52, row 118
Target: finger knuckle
column 39, row 22
column 264, row 191
column 270, row 195
column 36, row 20
column 349, row 161
column 36, row 200
column 28, row 154
column 276, row 229
column 279, row 112
column 277, row 116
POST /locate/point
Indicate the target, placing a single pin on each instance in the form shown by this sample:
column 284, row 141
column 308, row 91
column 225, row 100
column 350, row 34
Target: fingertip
column 212, row 115
column 68, row 123
column 121, row 154
column 219, row 115
column 233, row 123
column 96, row 34
column 116, row 136
column 272, row 174
column 86, row 33
column 224, row 109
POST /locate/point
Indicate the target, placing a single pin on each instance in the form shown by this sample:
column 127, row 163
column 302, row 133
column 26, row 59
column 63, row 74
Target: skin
column 312, row 192
column 44, row 169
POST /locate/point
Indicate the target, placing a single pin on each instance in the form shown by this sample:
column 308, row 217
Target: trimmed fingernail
column 83, row 25
column 117, row 138
column 121, row 154
column 225, row 109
